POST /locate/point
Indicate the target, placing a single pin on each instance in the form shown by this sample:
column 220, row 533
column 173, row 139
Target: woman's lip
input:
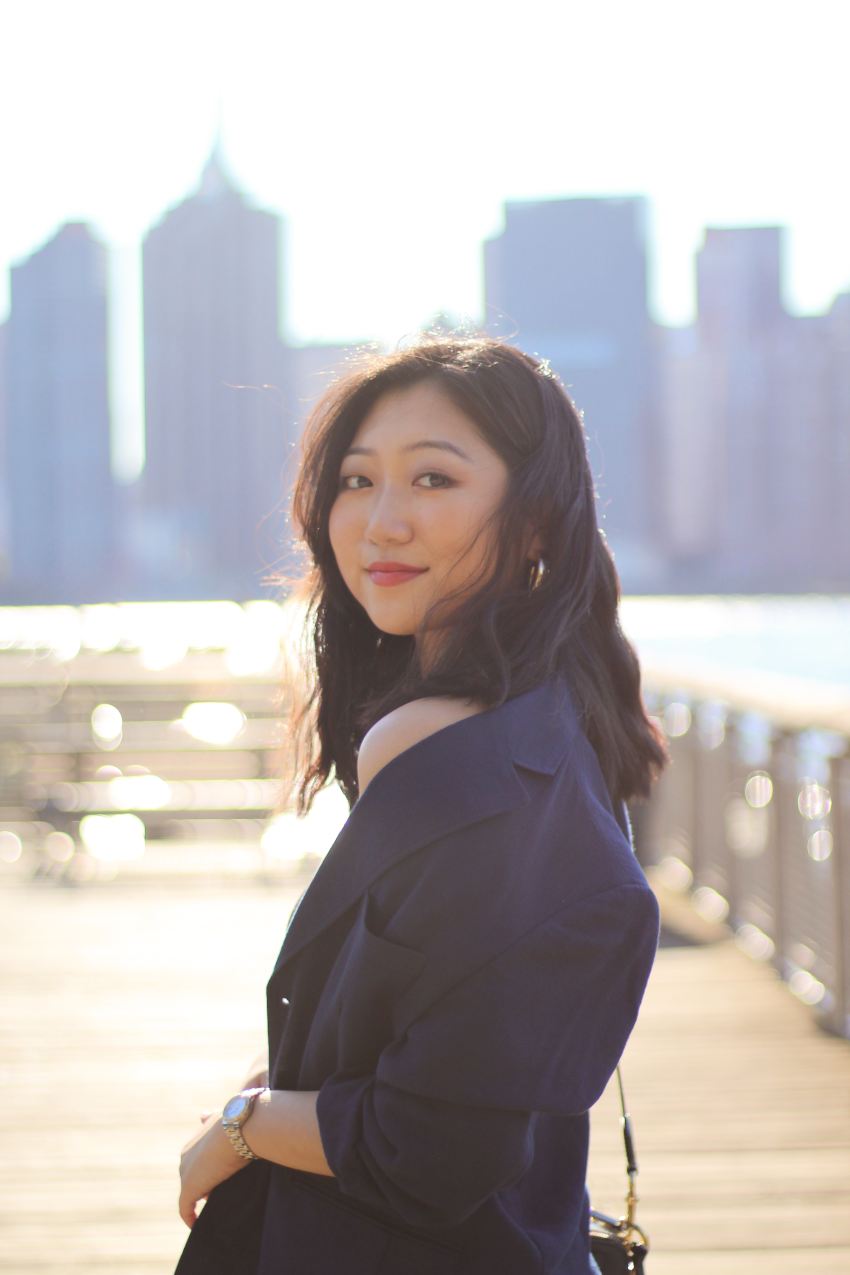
column 396, row 576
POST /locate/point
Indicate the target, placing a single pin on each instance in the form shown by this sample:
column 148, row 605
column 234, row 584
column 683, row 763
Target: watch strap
column 233, row 1127
column 238, row 1143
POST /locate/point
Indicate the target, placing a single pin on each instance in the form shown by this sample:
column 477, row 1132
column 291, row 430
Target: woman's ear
column 536, row 549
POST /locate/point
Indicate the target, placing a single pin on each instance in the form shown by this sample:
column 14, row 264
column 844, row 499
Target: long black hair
column 503, row 638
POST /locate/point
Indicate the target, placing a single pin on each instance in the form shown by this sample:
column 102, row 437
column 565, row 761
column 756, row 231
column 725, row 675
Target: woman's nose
column 389, row 516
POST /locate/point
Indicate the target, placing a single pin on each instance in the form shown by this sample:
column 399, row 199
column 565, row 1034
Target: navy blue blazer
column 458, row 983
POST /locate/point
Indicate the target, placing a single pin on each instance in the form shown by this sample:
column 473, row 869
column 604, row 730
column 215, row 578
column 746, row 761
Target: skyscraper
column 567, row 279
column 687, row 492
column 216, row 418
column 754, row 412
column 837, row 544
column 60, row 487
column 5, row 565
column 739, row 283
column 740, row 326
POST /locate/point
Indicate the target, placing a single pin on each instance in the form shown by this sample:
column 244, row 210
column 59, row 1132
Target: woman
column 460, row 978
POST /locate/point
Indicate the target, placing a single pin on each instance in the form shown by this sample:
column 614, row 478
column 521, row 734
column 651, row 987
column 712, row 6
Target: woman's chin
column 391, row 629
column 392, row 625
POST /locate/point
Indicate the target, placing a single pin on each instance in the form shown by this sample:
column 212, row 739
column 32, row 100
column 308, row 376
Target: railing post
column 839, row 786
column 711, row 788
column 667, row 825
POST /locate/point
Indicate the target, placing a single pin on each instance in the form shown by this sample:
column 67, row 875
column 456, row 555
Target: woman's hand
column 256, row 1080
column 258, row 1072
column 283, row 1128
column 207, row 1159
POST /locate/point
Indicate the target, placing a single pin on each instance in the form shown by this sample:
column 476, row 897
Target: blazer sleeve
column 447, row 1117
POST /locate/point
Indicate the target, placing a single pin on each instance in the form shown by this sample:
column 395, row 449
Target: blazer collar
column 456, row 776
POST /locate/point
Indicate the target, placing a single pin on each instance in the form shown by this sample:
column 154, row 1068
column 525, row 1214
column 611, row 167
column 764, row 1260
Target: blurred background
column 208, row 210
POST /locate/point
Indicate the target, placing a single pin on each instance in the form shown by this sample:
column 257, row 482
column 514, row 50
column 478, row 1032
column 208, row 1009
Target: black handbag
column 619, row 1246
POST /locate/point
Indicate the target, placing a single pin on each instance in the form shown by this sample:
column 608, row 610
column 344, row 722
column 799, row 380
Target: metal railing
column 191, row 752
column 752, row 821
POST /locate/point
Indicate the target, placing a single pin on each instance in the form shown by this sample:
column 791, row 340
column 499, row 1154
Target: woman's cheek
column 336, row 536
column 344, row 548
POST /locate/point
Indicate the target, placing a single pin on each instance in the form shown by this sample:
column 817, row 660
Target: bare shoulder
column 406, row 726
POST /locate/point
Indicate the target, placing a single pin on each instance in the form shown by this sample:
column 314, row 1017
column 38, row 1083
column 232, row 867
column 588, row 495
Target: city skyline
column 328, row 119
column 126, row 379
column 720, row 451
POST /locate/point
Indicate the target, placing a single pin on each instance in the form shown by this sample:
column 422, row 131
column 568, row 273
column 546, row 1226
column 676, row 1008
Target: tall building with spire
column 61, row 493
column 567, row 279
column 216, row 421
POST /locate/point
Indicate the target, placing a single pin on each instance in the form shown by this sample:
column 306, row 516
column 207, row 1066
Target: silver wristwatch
column 233, row 1117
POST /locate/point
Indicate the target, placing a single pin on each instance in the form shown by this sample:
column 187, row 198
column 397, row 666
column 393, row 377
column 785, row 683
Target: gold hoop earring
column 538, row 571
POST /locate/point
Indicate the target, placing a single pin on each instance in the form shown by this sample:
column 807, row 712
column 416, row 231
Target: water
column 799, row 636
column 804, row 637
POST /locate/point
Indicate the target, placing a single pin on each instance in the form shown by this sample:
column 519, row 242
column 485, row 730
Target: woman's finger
column 186, row 1209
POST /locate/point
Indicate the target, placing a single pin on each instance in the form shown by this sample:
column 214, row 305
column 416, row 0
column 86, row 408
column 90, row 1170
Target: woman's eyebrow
column 441, row 443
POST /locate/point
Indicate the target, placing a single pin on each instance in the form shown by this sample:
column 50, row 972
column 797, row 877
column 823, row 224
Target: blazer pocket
column 364, row 989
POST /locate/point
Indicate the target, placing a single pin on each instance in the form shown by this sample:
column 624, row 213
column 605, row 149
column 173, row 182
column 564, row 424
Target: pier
column 130, row 1006
column 131, row 1001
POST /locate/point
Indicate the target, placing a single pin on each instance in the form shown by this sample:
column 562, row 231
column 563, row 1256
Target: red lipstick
column 390, row 573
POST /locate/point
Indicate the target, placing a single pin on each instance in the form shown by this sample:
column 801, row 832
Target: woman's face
column 416, row 485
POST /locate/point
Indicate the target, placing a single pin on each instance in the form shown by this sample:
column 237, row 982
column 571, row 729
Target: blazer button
column 284, row 1000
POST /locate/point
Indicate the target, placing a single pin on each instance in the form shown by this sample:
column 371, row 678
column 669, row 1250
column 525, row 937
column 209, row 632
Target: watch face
column 233, row 1110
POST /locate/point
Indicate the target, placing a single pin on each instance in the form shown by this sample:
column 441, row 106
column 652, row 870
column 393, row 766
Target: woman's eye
column 443, row 480
column 434, row 479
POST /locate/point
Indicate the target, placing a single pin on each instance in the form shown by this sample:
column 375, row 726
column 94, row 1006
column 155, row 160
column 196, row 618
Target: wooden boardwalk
column 741, row 1107
column 128, row 1007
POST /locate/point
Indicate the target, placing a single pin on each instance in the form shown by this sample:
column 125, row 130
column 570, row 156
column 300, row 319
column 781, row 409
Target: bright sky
column 389, row 134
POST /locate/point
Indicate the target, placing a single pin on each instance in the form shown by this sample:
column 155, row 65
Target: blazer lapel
column 456, row 776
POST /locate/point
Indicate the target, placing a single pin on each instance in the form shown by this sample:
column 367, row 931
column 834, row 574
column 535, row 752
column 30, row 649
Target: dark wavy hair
column 503, row 638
